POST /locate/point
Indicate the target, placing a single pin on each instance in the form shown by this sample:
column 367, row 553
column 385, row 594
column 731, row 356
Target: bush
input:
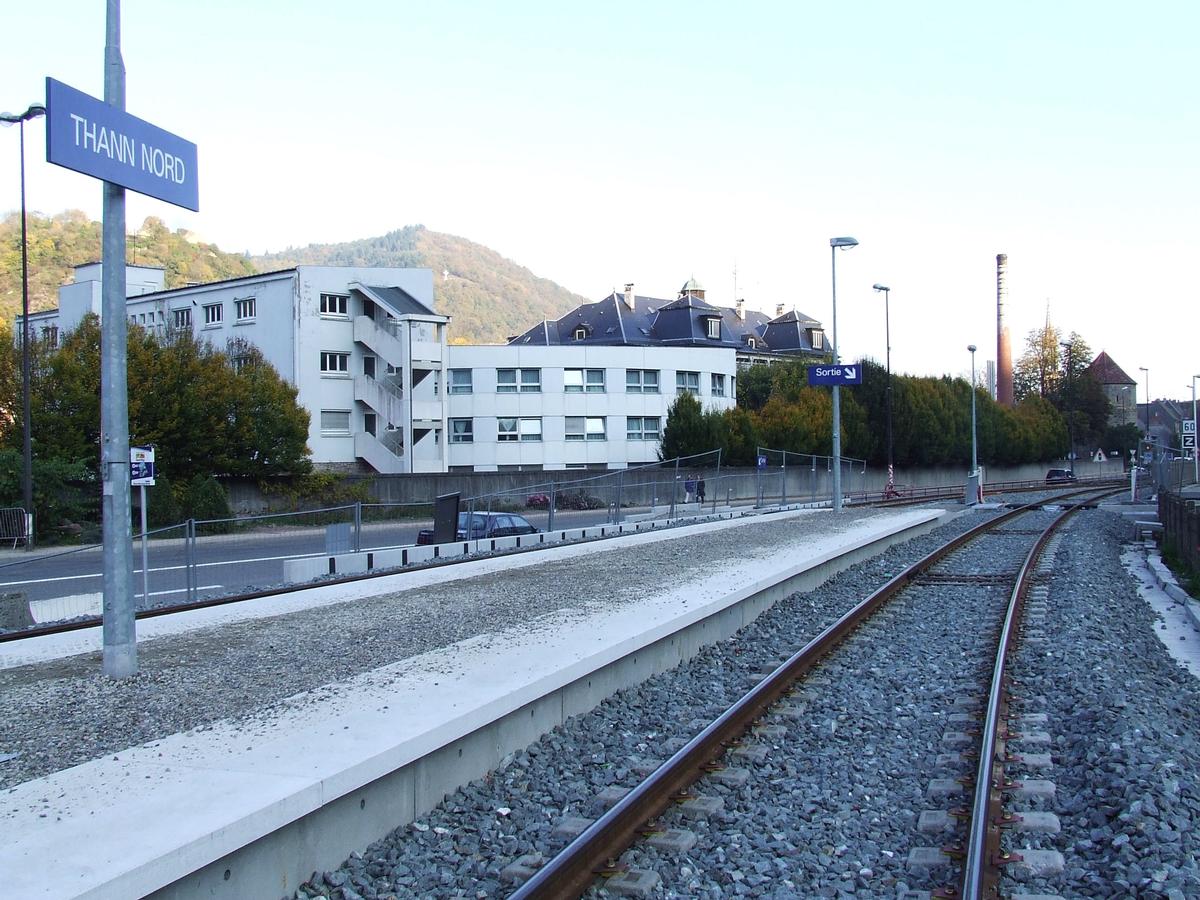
column 162, row 506
column 578, row 500
column 537, row 501
column 316, row 490
column 204, row 498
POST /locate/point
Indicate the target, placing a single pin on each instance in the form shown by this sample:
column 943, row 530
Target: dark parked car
column 483, row 525
column 1060, row 476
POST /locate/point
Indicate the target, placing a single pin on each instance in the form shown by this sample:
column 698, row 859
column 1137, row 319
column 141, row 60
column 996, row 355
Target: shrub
column 204, row 498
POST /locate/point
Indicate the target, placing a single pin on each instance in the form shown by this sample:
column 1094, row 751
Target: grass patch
column 1188, row 578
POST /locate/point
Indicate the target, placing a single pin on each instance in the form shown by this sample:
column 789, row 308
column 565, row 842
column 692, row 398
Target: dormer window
column 580, row 333
column 752, row 343
column 818, row 339
column 714, row 327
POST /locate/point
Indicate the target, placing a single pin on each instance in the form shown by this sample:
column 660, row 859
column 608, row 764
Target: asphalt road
column 225, row 564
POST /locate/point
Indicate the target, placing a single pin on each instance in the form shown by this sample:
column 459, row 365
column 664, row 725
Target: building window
column 718, row 385
column 213, row 315
column 519, row 429
column 507, row 380
column 244, row 309
column 462, row 431
column 182, row 318
column 335, row 305
column 50, row 335
column 576, row 381
column 460, row 381
column 589, row 428
column 714, row 327
column 531, row 382
column 751, row 343
column 334, row 363
column 687, row 382
column 335, row 422
column 818, row 339
column 580, row 333
column 641, row 381
column 641, row 428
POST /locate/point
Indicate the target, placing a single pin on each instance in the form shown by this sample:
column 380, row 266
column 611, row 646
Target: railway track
column 995, row 566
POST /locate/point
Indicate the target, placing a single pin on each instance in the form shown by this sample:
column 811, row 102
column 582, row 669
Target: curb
column 1166, row 581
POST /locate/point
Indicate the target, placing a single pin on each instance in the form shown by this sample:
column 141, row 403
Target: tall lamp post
column 836, row 244
column 20, row 119
column 1147, row 371
column 974, row 443
column 1067, row 402
column 890, row 490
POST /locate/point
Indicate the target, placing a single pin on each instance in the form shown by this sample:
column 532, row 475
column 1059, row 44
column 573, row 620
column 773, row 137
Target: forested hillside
column 487, row 296
column 60, row 242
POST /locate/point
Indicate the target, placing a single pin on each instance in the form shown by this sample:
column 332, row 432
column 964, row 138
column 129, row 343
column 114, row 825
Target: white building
column 371, row 363
column 362, row 346
column 526, row 407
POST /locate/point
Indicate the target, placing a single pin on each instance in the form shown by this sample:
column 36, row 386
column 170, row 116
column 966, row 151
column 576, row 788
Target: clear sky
column 651, row 142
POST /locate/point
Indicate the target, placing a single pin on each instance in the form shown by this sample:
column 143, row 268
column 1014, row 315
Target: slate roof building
column 630, row 319
column 1120, row 389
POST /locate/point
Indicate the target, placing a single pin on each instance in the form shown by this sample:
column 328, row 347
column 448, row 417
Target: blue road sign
column 844, row 373
column 89, row 136
column 762, row 462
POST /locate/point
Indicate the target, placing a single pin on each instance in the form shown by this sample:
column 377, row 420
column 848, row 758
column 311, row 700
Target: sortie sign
column 89, row 136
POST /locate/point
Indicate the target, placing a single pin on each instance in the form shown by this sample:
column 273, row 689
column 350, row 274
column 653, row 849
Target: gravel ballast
column 850, row 786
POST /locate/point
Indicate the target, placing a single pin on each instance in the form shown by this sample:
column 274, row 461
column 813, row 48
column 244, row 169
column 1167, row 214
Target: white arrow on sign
column 850, row 372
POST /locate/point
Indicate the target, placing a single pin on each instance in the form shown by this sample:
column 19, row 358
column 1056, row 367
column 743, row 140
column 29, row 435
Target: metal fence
column 204, row 559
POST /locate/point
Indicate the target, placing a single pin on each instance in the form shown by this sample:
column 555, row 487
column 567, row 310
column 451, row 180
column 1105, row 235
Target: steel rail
column 592, row 853
column 984, row 859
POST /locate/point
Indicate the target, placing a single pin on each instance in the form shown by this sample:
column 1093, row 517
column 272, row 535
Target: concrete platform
column 252, row 808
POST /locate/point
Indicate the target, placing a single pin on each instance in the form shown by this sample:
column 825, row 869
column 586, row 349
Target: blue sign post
column 97, row 139
column 843, row 373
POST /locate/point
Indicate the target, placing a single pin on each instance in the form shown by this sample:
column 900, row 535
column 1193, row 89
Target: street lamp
column 1147, row 371
column 974, row 447
column 1067, row 402
column 890, row 490
column 20, row 119
column 836, row 244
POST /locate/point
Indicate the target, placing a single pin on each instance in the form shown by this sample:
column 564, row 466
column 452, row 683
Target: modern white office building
column 386, row 392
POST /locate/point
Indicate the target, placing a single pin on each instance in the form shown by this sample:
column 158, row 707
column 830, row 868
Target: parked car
column 483, row 525
column 1060, row 476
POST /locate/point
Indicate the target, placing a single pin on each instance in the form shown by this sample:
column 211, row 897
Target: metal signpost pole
column 145, row 553
column 1195, row 436
column 890, row 489
column 120, row 639
column 835, row 244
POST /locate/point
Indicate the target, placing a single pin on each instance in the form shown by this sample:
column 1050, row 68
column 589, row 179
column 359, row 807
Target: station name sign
column 92, row 137
column 840, row 374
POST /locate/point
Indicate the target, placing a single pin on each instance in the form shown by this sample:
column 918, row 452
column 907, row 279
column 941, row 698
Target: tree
column 754, row 387
column 687, row 431
column 1037, row 371
column 205, row 415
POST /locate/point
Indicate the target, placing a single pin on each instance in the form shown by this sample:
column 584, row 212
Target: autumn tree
column 1037, row 372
